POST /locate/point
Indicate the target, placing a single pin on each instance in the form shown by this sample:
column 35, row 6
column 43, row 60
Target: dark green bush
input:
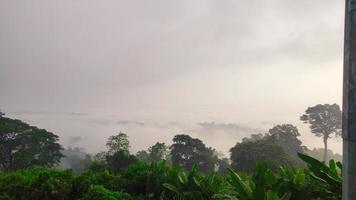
column 41, row 184
column 98, row 192
column 83, row 182
column 134, row 178
column 162, row 182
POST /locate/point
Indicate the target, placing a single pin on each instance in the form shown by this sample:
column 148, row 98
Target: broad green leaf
column 339, row 165
column 242, row 189
column 312, row 161
column 171, row 187
column 272, row 195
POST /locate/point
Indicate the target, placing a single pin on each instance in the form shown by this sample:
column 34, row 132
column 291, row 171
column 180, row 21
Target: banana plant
column 193, row 185
column 262, row 185
column 328, row 179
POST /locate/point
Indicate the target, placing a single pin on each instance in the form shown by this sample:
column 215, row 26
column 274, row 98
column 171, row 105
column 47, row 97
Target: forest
column 267, row 166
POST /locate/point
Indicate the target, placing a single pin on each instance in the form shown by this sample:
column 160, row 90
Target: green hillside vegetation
column 161, row 181
column 266, row 166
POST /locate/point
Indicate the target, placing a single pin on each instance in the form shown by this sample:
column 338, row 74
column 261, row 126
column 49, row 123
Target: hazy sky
column 216, row 69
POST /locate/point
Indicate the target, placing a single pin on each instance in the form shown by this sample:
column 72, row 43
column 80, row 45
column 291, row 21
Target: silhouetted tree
column 158, row 151
column 23, row 146
column 120, row 160
column 325, row 121
column 247, row 154
column 287, row 136
column 119, row 142
column 254, row 137
column 187, row 151
column 101, row 156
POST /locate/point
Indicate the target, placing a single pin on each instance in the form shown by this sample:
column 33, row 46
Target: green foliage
column 192, row 184
column 119, row 142
column 287, row 136
column 98, row 192
column 158, row 152
column 325, row 120
column 23, row 146
column 44, row 184
column 247, row 154
column 187, row 151
column 262, row 184
column 83, row 182
column 118, row 175
column 134, row 178
column 98, row 166
column 159, row 181
column 155, row 153
column 327, row 178
column 120, row 160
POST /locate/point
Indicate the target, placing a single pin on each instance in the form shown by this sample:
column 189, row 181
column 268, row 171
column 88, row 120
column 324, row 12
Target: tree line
column 23, row 146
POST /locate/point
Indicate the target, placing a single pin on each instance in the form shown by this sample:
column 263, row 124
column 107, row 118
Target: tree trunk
column 325, row 149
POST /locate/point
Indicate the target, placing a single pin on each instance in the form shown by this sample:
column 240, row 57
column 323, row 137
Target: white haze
column 86, row 69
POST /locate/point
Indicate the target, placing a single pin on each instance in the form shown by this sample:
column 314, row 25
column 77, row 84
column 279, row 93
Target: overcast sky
column 216, row 69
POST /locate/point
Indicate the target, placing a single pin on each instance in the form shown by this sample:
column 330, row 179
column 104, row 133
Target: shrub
column 98, row 192
column 159, row 181
column 106, row 179
column 134, row 178
column 44, row 184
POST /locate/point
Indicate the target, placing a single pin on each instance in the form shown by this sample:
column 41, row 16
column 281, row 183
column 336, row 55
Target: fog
column 219, row 70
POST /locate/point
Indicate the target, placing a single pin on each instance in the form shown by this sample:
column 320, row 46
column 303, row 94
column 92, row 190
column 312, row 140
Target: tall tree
column 23, row 146
column 287, row 136
column 119, row 142
column 158, row 151
column 187, row 151
column 325, row 121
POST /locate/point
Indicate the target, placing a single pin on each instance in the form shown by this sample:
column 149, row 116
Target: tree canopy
column 23, row 146
column 325, row 121
column 158, row 151
column 120, row 160
column 155, row 153
column 119, row 142
column 245, row 155
column 287, row 136
column 187, row 151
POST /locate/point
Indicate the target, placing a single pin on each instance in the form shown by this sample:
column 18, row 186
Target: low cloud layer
column 131, row 123
column 229, row 127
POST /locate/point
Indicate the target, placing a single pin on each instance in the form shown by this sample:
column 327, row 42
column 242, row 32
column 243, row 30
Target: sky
column 219, row 70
